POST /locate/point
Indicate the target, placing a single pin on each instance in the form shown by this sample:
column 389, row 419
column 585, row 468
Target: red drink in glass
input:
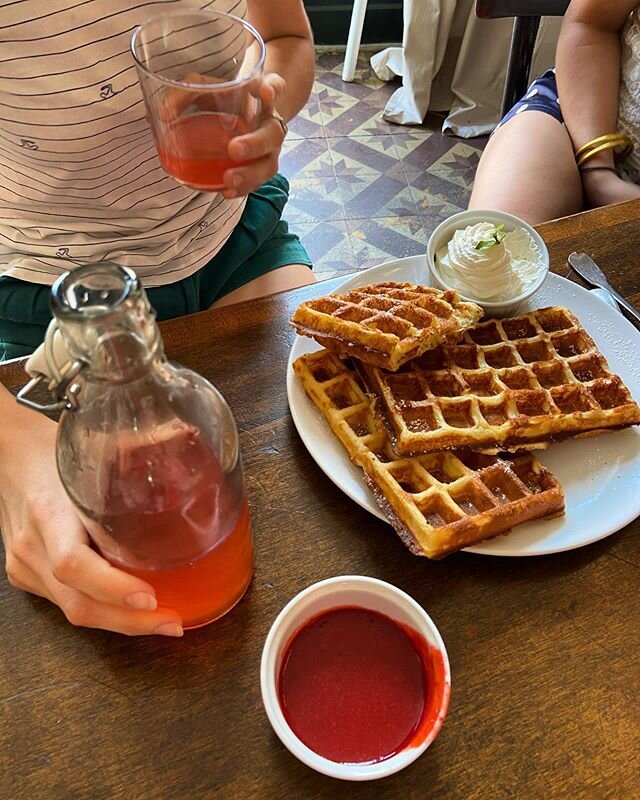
column 199, row 96
column 194, row 149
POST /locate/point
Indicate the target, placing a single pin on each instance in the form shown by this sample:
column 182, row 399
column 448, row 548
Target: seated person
column 529, row 166
column 81, row 182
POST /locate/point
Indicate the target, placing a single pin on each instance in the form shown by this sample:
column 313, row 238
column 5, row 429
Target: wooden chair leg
column 525, row 30
column 353, row 41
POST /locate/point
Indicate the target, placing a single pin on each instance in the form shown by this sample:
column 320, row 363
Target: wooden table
column 544, row 651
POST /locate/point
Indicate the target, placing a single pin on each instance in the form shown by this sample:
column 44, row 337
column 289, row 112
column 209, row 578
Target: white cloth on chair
column 427, row 25
column 452, row 61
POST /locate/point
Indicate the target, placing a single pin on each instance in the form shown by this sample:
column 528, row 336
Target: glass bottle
column 148, row 452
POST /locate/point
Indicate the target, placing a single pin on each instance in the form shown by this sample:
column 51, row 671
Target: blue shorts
column 542, row 95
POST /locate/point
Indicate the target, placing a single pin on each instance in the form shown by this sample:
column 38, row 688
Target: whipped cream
column 495, row 273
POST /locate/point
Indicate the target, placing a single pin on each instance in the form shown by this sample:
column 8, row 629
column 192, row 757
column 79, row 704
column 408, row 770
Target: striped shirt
column 80, row 180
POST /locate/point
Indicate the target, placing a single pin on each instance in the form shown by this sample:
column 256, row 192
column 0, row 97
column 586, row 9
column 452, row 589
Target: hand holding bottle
column 147, row 456
column 48, row 552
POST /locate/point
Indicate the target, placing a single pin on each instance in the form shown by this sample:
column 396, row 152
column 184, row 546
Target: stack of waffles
column 442, row 412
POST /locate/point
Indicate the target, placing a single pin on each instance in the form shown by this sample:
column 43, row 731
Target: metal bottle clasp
column 65, row 392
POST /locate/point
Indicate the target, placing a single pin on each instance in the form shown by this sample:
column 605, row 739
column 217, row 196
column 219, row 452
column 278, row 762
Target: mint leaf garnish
column 496, row 237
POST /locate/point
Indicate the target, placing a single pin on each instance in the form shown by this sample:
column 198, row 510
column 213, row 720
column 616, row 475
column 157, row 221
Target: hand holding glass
column 200, row 74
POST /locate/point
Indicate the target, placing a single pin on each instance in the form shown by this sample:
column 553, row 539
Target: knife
column 587, row 269
column 606, row 297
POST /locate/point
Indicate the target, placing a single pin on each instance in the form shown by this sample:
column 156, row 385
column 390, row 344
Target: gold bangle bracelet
column 608, row 137
column 624, row 151
column 610, row 141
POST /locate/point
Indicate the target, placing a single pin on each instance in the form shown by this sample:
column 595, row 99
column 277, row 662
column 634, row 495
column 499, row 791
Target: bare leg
column 278, row 280
column 528, row 169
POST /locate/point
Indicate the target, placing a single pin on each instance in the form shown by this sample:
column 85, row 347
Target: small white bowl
column 444, row 233
column 346, row 590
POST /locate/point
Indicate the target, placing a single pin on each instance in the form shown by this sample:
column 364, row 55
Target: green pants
column 261, row 242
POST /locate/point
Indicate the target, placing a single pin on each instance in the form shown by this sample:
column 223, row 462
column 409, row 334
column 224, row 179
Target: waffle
column 509, row 383
column 385, row 324
column 437, row 503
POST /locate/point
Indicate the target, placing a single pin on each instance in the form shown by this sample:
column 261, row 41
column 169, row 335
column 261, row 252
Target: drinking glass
column 200, row 73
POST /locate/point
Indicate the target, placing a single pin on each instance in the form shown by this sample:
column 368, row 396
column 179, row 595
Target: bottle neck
column 107, row 323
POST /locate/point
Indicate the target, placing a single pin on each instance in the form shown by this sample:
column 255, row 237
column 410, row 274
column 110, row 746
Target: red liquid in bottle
column 194, row 149
column 173, row 519
column 206, row 588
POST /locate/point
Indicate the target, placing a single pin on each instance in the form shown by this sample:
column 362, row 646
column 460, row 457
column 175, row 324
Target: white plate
column 600, row 476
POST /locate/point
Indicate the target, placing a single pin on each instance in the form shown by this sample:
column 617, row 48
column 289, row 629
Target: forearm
column 588, row 73
column 292, row 57
column 286, row 85
column 285, row 28
column 26, row 437
column 11, row 414
column 18, row 424
column 588, row 70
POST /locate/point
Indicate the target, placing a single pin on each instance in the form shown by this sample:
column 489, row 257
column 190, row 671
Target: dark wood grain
column 544, row 651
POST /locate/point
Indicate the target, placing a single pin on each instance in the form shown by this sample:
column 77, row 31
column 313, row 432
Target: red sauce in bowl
column 357, row 687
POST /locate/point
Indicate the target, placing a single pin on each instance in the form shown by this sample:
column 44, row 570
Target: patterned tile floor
column 364, row 190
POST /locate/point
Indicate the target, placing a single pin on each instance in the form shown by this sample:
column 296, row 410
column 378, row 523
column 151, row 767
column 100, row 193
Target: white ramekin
column 444, row 233
column 346, row 590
